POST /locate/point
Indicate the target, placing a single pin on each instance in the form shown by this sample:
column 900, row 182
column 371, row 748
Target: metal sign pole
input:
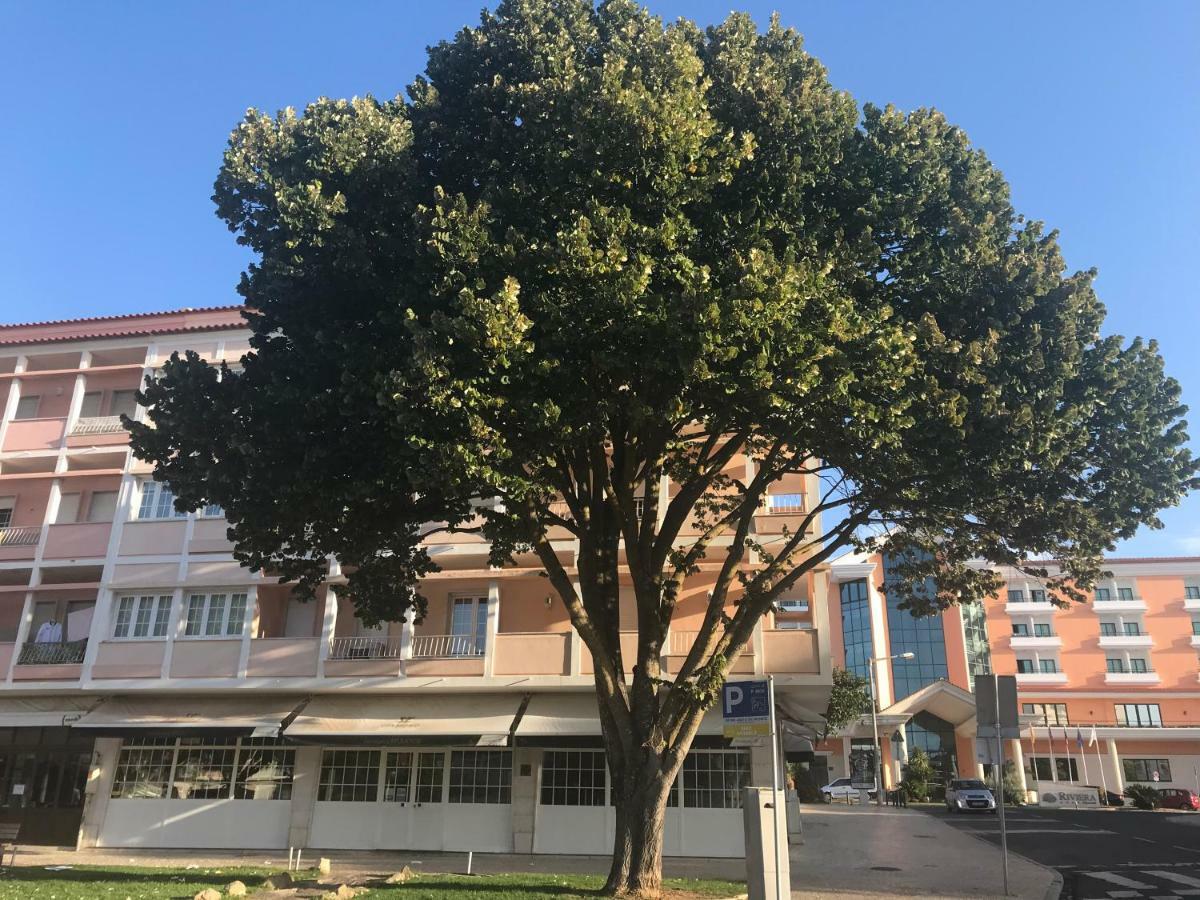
column 1000, row 787
column 775, row 788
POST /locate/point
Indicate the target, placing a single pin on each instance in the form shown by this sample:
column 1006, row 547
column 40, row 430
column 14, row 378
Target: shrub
column 1013, row 795
column 807, row 789
column 1143, row 796
column 917, row 774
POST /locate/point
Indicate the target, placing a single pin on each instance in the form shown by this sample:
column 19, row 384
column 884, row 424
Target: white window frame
column 151, row 494
column 158, row 602
column 225, row 620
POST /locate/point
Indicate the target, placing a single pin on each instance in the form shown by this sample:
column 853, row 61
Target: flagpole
column 1067, row 748
column 1082, row 755
column 1050, row 741
column 1099, row 763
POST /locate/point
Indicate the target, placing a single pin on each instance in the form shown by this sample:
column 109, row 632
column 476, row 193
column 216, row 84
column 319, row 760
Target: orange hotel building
column 1122, row 672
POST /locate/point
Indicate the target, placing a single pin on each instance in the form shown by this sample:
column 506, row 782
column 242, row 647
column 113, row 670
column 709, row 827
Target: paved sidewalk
column 849, row 852
column 863, row 851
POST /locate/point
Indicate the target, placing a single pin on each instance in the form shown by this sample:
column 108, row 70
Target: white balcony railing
column 679, row 643
column 442, row 646
column 365, row 647
column 98, row 425
column 19, row 537
column 784, row 504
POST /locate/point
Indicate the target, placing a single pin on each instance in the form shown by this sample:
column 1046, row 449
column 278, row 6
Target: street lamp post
column 875, row 721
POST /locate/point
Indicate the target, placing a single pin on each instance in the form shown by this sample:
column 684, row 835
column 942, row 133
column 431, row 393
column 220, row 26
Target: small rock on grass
column 343, row 892
column 208, row 894
column 235, row 889
column 324, row 866
column 402, row 876
column 278, row 882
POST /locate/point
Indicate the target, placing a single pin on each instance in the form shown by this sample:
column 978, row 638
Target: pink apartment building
column 1121, row 673
column 154, row 693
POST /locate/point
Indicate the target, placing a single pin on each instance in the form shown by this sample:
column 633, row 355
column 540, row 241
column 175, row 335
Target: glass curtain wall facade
column 979, row 655
column 924, row 638
column 856, row 626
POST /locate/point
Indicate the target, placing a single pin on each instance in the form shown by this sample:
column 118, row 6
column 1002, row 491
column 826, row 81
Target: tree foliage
column 589, row 254
column 848, row 701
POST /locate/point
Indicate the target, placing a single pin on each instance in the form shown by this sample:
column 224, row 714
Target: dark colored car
column 1179, row 798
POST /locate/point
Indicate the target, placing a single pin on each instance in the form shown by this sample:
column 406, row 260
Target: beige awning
column 43, row 712
column 488, row 717
column 577, row 715
column 261, row 716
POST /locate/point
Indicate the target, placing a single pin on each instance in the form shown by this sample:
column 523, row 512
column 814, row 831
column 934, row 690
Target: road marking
column 1176, row 877
column 1121, row 880
column 1143, row 840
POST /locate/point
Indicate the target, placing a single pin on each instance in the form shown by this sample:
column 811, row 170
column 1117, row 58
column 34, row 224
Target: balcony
column 97, row 425
column 364, row 657
column 1191, row 604
column 34, row 434
column 1025, row 607
column 1138, row 641
column 77, row 540
column 1037, row 678
column 1131, row 678
column 20, row 542
column 780, row 511
column 57, row 661
column 1196, row 640
column 1120, row 604
column 1035, row 641
column 445, row 654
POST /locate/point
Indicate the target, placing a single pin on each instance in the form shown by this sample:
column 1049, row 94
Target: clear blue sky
column 115, row 116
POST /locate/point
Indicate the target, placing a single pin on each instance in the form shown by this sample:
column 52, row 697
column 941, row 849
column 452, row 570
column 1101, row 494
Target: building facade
column 154, row 693
column 1108, row 690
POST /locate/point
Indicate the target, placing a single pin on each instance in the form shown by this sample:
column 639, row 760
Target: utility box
column 765, row 823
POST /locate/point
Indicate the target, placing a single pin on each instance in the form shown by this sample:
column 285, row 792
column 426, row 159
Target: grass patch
column 147, row 883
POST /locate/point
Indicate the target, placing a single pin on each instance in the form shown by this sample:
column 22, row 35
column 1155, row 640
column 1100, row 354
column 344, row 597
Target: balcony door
column 468, row 626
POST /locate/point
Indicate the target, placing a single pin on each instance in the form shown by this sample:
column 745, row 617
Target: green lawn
column 144, row 883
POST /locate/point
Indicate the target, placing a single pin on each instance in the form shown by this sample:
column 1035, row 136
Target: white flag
column 1092, row 737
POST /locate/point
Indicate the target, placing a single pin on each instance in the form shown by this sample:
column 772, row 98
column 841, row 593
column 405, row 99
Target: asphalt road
column 1102, row 854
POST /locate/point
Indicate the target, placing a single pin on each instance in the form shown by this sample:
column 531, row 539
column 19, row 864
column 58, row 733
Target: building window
column 1145, row 769
column 481, row 776
column 1024, row 666
column 1139, row 715
column 1192, row 592
column 212, row 511
column 1196, row 627
column 1048, row 666
column 1037, row 596
column 397, row 778
column 1016, row 596
column 573, row 778
column 1115, row 665
column 264, row 770
column 215, row 615
column 1108, row 629
column 1049, row 713
column 1042, row 629
column 1103, row 594
column 468, row 626
column 1133, row 629
column 714, row 779
column 1020, row 629
column 27, row 407
column 975, row 640
column 204, row 769
column 1039, row 768
column 144, row 769
column 158, row 502
column 142, row 617
column 856, row 626
column 1124, row 593
column 6, row 508
column 349, row 776
column 1137, row 664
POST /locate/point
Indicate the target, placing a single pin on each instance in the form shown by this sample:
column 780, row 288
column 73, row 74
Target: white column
column 14, row 396
column 249, row 615
column 102, row 618
column 174, row 629
column 818, row 605
column 97, row 790
column 85, row 361
column 328, row 625
column 22, row 632
column 758, row 645
column 879, row 644
column 492, row 628
column 407, row 630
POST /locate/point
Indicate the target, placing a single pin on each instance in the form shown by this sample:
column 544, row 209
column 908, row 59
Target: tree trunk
column 641, row 808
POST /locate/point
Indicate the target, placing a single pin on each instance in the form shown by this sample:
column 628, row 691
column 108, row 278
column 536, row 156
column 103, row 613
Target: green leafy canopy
column 588, row 252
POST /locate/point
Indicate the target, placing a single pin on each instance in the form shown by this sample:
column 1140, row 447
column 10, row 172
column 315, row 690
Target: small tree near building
column 587, row 263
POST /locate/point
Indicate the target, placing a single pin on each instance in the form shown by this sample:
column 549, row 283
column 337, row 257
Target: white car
column 965, row 794
column 840, row 788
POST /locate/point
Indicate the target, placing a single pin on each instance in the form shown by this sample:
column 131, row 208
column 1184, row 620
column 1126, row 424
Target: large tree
column 589, row 254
